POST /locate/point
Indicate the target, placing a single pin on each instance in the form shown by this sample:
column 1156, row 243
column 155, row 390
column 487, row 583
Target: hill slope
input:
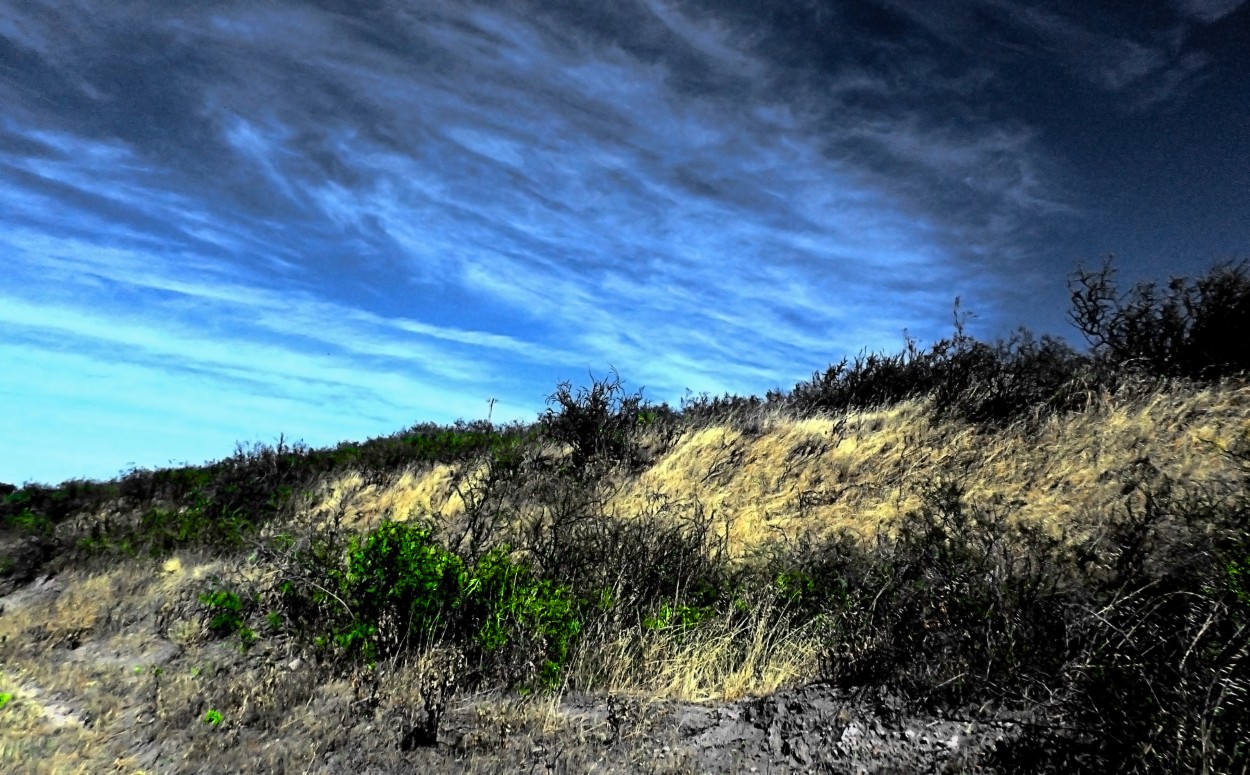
column 917, row 567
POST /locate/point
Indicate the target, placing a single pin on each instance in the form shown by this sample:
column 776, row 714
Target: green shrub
column 30, row 522
column 227, row 615
column 511, row 613
column 398, row 583
column 403, row 590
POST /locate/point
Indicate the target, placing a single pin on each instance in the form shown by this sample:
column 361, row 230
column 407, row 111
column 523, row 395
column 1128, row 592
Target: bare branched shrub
column 600, row 424
column 1193, row 328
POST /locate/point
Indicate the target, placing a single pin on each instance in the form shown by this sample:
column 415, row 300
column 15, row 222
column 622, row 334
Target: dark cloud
column 1208, row 11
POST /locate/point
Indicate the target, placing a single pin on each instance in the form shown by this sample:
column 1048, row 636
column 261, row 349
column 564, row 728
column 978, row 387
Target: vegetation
column 1129, row 645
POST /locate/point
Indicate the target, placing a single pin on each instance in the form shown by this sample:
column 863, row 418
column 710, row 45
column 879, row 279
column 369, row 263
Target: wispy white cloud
column 373, row 214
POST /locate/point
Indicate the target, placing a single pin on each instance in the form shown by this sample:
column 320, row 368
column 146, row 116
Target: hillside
column 990, row 557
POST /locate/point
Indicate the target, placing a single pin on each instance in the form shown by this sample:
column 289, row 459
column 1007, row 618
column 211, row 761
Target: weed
column 677, row 617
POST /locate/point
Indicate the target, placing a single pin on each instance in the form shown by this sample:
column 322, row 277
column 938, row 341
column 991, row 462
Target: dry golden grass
column 362, row 505
column 861, row 470
column 718, row 660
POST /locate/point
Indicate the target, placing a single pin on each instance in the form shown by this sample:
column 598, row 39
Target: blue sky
column 223, row 222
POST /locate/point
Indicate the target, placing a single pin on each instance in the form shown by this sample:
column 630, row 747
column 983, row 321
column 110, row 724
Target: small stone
column 295, row 664
column 852, row 732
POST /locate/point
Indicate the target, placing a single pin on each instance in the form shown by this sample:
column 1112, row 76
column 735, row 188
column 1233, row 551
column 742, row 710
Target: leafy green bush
column 399, row 583
column 515, row 615
column 398, row 589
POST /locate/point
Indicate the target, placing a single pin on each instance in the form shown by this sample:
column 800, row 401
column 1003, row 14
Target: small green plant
column 32, row 522
column 677, row 617
column 213, row 717
column 227, row 610
column 5, row 699
column 795, row 585
column 227, row 615
column 1238, row 573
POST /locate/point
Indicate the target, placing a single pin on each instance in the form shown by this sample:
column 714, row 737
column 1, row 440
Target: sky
column 222, row 222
